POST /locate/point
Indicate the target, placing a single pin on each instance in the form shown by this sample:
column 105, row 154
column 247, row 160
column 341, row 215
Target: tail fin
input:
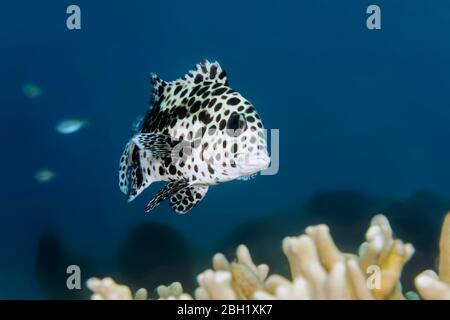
column 132, row 174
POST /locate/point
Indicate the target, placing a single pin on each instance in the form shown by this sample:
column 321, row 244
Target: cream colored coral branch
column 431, row 285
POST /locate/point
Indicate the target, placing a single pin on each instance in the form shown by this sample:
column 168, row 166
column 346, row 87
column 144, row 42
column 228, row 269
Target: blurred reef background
column 363, row 118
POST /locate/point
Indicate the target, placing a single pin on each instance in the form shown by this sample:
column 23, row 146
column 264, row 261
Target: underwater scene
column 225, row 150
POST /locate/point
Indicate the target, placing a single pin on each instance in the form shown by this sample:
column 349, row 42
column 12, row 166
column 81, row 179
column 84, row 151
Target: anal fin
column 185, row 199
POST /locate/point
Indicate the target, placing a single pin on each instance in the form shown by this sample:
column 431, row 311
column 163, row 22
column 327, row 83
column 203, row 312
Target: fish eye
column 236, row 124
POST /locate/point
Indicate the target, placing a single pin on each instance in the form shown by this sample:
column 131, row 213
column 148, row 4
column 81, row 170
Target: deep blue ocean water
column 363, row 116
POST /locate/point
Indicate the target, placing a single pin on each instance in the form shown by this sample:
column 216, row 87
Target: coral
column 108, row 289
column 431, row 285
column 319, row 270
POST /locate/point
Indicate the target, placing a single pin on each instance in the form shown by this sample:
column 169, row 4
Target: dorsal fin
column 207, row 71
column 158, row 85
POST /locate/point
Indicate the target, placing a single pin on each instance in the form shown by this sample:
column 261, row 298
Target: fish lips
column 252, row 163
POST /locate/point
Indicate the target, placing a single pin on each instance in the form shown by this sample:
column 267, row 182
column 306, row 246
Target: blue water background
column 357, row 109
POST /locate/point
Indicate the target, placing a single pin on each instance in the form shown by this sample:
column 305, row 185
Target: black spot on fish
column 217, row 107
column 212, row 102
column 179, row 112
column 202, row 90
column 194, row 91
column 205, row 103
column 139, row 178
column 222, row 75
column 211, row 170
column 135, row 156
column 204, row 117
column 222, row 124
column 206, row 94
column 177, row 89
column 198, row 78
column 195, row 107
column 219, row 91
column 250, row 119
column 213, row 72
column 172, row 169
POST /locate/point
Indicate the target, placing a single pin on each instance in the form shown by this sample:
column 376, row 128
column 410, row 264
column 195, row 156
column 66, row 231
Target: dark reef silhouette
column 152, row 254
column 52, row 260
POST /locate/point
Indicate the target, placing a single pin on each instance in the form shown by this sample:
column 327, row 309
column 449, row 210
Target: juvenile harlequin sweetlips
column 198, row 132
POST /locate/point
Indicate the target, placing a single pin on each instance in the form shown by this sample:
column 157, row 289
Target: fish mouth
column 254, row 163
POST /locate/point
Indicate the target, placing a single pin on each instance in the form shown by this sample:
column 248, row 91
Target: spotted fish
column 197, row 133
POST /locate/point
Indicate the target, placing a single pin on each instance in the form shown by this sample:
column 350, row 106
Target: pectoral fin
column 160, row 145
